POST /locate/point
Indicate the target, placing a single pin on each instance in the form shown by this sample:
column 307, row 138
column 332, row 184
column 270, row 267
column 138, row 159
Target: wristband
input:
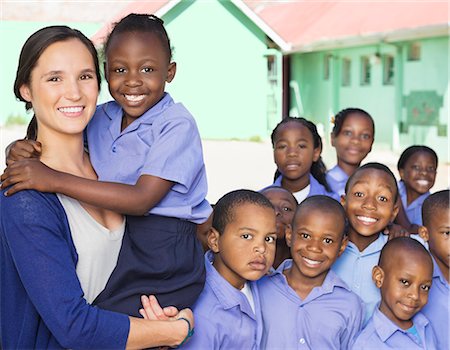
column 190, row 331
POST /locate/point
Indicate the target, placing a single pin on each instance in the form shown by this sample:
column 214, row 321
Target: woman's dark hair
column 340, row 117
column 408, row 152
column 318, row 168
column 140, row 23
column 32, row 50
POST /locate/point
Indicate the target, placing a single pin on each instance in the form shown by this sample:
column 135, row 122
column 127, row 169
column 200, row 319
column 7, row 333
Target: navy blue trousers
column 160, row 256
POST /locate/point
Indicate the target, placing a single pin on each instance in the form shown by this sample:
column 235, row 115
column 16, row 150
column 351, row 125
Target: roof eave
column 374, row 38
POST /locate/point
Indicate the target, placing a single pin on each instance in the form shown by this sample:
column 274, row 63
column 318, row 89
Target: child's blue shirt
column 355, row 269
column 381, row 333
column 414, row 210
column 336, row 179
column 163, row 142
column 437, row 309
column 329, row 318
column 223, row 316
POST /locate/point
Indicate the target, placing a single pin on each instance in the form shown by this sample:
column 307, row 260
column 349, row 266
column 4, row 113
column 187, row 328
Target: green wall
column 318, row 98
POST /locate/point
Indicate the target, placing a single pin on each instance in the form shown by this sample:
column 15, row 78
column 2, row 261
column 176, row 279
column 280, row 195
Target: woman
column 50, row 270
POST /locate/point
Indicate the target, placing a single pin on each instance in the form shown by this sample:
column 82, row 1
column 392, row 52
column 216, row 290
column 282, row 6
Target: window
column 365, row 70
column 414, row 51
column 388, row 70
column 327, row 61
column 346, row 71
column 272, row 71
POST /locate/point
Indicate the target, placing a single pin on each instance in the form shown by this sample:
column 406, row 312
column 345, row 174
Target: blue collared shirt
column 223, row 316
column 315, row 187
column 163, row 142
column 355, row 269
column 382, row 333
column 437, row 309
column 329, row 318
column 414, row 210
column 337, row 178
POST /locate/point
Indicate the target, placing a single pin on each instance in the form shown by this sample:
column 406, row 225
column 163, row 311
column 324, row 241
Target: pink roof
column 302, row 23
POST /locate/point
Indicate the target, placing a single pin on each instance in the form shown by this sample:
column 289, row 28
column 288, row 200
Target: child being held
column 304, row 302
column 404, row 277
column 370, row 204
column 242, row 242
column 436, row 220
column 285, row 206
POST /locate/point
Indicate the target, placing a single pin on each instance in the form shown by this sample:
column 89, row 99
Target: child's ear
column 394, row 212
column 288, row 235
column 423, row 233
column 343, row 244
column 105, row 70
column 401, row 173
column 378, row 276
column 171, row 71
column 213, row 240
column 332, row 138
column 25, row 92
column 316, row 154
column 343, row 200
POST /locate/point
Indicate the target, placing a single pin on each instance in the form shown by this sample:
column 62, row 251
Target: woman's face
column 63, row 88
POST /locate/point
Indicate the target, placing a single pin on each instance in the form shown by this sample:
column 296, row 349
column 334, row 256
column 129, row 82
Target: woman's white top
column 97, row 247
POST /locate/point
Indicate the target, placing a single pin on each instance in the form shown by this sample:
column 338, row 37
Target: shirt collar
column 373, row 247
column 338, row 174
column 437, row 273
column 386, row 328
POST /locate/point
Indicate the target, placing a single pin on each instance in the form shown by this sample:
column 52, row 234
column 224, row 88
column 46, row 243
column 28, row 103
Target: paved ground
column 238, row 164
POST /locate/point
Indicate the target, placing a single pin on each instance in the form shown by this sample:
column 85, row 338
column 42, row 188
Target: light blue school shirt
column 316, row 188
column 414, row 210
column 223, row 316
column 329, row 318
column 437, row 309
column 382, row 333
column 337, row 179
column 163, row 142
column 355, row 269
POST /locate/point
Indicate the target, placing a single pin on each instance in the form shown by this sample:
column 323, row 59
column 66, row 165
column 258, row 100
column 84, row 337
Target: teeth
column 134, row 98
column 70, row 109
column 311, row 262
column 366, row 219
column 423, row 182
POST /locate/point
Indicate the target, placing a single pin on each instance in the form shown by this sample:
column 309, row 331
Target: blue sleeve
column 35, row 231
column 206, row 336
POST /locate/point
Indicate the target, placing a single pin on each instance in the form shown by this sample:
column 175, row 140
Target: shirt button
column 114, row 149
column 302, row 341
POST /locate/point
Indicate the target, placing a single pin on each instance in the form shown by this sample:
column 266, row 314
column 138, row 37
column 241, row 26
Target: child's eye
column 446, row 234
column 347, row 133
column 147, row 70
column 119, row 70
column 404, row 282
column 383, row 199
column 358, row 194
column 365, row 136
column 246, row 236
column 281, row 146
column 328, row 240
column 425, row 287
column 304, row 235
column 286, row 209
column 303, row 145
column 270, row 239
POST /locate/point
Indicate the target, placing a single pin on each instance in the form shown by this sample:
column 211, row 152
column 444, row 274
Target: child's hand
column 28, row 174
column 394, row 230
column 22, row 149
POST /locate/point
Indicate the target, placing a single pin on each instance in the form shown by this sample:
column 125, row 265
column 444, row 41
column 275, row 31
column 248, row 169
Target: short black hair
column 342, row 115
column 273, row 187
column 394, row 245
column 410, row 151
column 224, row 210
column 325, row 203
column 377, row 166
column 436, row 201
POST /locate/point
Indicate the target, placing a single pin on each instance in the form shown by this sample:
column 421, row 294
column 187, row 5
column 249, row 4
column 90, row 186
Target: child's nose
column 369, row 203
column 133, row 79
column 314, row 245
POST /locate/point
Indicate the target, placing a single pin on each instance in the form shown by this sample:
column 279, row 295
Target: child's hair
column 141, row 23
column 224, row 210
column 273, row 187
column 408, row 152
column 409, row 244
column 436, row 201
column 318, row 168
column 32, row 50
column 377, row 166
column 340, row 117
column 325, row 203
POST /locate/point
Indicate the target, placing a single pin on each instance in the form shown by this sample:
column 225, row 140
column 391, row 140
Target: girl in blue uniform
column 147, row 153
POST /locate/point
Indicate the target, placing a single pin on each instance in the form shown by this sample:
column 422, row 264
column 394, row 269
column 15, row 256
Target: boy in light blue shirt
column 304, row 304
column 404, row 276
column 436, row 218
column 242, row 249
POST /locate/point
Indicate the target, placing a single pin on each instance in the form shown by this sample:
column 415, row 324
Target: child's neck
column 295, row 185
column 349, row 169
column 282, row 253
column 411, row 196
column 444, row 269
column 302, row 284
column 361, row 242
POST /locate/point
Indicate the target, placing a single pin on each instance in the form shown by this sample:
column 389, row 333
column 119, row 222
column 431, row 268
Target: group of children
column 303, row 263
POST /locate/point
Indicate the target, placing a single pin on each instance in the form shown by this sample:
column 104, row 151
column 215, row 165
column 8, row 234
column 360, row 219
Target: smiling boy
column 242, row 249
